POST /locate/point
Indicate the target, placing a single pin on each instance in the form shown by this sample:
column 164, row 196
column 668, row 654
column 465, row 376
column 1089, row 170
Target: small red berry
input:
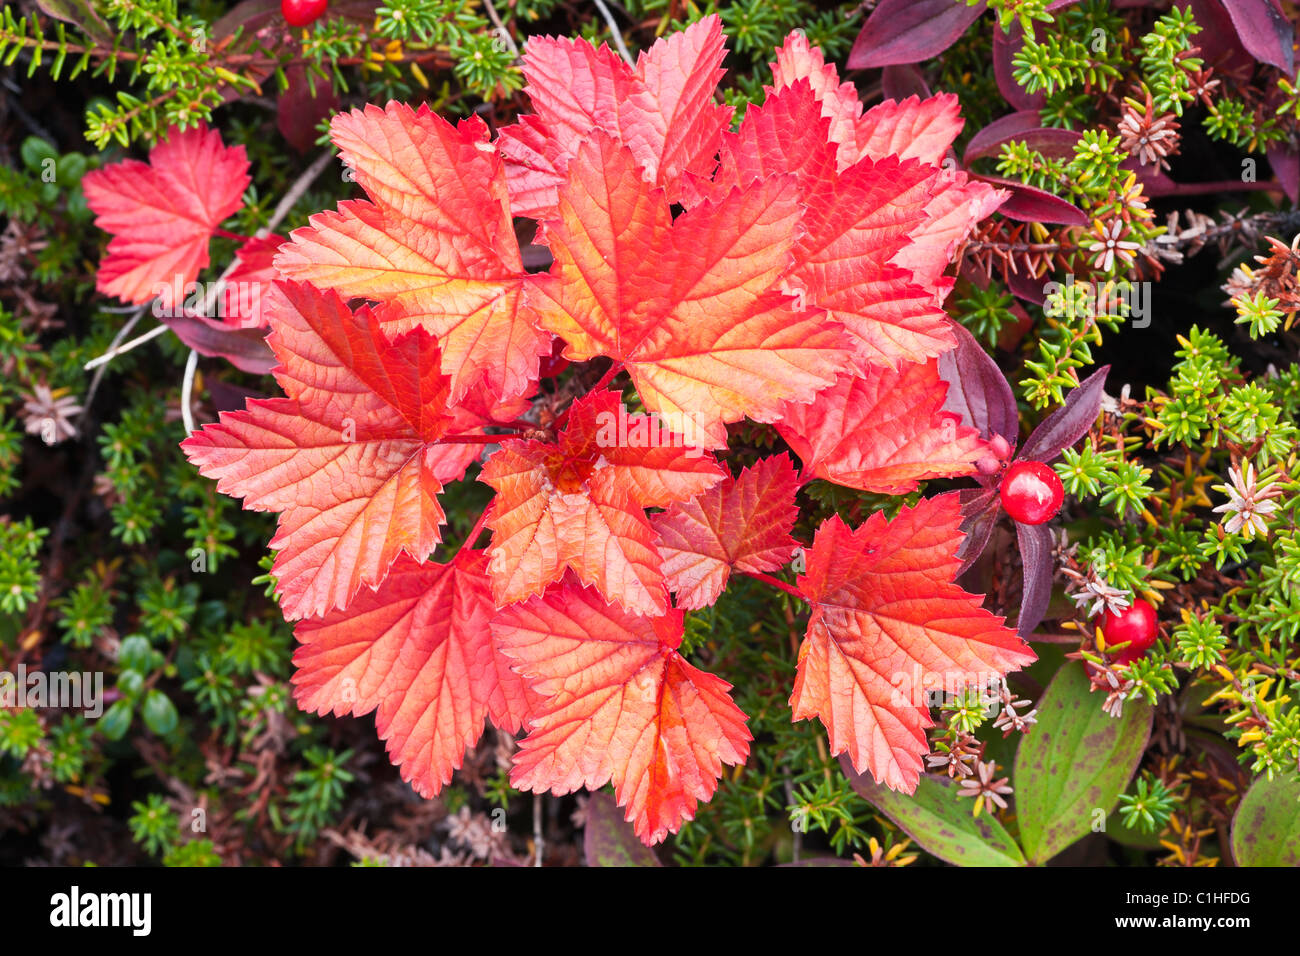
column 299, row 13
column 1031, row 492
column 1135, row 625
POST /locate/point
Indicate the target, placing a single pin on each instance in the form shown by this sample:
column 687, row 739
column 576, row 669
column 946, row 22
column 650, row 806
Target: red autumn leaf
column 618, row 703
column 858, row 222
column 883, row 431
column 163, row 213
column 742, row 523
column 580, row 504
column 349, row 458
column 663, row 110
column 919, row 129
column 689, row 305
column 249, row 282
column 887, row 620
column 435, row 244
column 419, row 652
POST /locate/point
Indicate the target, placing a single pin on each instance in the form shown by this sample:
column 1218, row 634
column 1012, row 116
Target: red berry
column 1031, row 492
column 299, row 13
column 1135, row 625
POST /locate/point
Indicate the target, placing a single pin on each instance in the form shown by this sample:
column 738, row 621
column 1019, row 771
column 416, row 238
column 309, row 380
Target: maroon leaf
column 898, row 81
column 908, row 31
column 245, row 349
column 227, row 397
column 979, row 513
column 1027, row 287
column 299, row 109
column 977, row 389
column 1036, row 555
column 1029, row 204
column 1065, row 426
column 1005, row 47
column 1218, row 40
column 609, row 840
column 1286, row 167
column 1027, row 127
column 1265, row 31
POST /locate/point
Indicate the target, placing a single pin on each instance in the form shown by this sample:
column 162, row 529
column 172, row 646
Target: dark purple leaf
column 299, row 110
column 1027, row 127
column 1028, row 287
column 1065, row 426
column 1286, row 167
column 81, row 14
column 246, row 349
column 1218, row 40
column 609, row 840
column 979, row 510
column 229, row 398
column 1029, row 204
column 908, row 31
column 898, row 81
column 1265, row 32
column 1006, row 46
column 1036, row 555
column 977, row 389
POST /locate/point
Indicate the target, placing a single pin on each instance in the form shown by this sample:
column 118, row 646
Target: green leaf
column 1266, row 828
column 941, row 822
column 130, row 683
column 159, row 713
column 135, row 653
column 69, row 168
column 1075, row 762
column 116, row 720
column 609, row 840
column 35, row 151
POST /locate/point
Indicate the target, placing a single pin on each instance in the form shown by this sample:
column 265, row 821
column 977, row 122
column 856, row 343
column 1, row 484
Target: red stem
column 776, row 583
column 230, row 235
column 1222, row 186
column 476, row 530
column 471, row 439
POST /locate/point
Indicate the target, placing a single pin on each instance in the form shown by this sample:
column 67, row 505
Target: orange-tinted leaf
column 618, row 703
column 435, row 244
column 163, row 213
column 741, row 523
column 690, row 305
column 663, row 110
column 883, row 431
column 419, row 652
column 913, row 129
column 580, row 504
column 888, row 623
column 349, row 458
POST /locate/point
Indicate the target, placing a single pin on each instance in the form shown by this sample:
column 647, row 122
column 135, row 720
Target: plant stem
column 776, row 583
column 475, row 531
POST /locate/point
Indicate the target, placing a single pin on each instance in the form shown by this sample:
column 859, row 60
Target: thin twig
column 613, row 28
column 119, row 349
column 539, row 843
column 501, row 28
column 187, row 391
column 122, row 333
